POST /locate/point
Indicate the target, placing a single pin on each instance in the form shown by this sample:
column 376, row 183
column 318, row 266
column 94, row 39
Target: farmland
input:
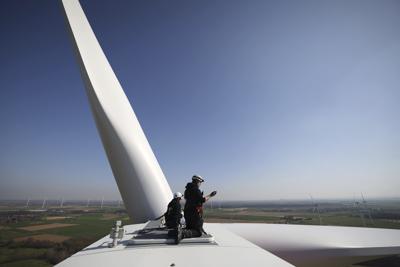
column 35, row 237
column 45, row 240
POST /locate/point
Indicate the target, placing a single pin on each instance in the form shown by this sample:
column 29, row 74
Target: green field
column 306, row 218
column 91, row 225
column 87, row 229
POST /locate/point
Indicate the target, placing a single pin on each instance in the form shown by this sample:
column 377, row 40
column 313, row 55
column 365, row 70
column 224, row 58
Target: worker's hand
column 213, row 193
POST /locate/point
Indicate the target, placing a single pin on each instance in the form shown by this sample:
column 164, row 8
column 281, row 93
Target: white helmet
column 197, row 178
column 177, row 194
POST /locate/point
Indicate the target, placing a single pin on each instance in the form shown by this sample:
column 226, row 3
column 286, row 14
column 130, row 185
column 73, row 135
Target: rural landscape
column 42, row 233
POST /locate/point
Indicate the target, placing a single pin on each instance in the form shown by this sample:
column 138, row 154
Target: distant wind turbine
column 367, row 208
column 358, row 209
column 316, row 208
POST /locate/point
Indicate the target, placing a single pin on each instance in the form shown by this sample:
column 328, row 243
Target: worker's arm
column 159, row 217
column 177, row 211
column 213, row 193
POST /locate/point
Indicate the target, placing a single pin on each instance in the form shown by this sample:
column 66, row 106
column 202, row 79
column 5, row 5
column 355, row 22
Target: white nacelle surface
column 249, row 245
column 229, row 249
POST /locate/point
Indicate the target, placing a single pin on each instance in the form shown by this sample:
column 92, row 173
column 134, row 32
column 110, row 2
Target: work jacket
column 194, row 197
column 174, row 213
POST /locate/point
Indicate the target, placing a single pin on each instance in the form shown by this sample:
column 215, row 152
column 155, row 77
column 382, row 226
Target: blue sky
column 265, row 99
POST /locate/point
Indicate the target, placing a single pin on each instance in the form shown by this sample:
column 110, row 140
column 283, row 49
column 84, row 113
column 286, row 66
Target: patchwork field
column 45, row 226
column 45, row 240
column 41, row 239
column 56, row 218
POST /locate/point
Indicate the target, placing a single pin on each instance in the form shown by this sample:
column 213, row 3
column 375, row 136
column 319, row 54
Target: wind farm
column 75, row 225
column 277, row 108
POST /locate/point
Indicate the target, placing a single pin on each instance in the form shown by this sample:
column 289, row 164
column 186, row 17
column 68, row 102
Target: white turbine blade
column 315, row 246
column 140, row 180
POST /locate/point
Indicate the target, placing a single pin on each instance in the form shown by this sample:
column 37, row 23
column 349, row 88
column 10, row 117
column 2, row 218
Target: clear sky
column 265, row 99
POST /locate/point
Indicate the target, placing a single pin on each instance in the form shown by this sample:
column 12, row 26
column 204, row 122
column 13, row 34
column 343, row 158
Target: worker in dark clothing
column 174, row 212
column 194, row 207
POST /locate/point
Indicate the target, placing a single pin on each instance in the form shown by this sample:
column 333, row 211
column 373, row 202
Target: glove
column 213, row 193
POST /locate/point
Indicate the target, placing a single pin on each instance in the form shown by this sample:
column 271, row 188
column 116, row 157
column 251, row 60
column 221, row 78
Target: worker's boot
column 172, row 233
column 187, row 233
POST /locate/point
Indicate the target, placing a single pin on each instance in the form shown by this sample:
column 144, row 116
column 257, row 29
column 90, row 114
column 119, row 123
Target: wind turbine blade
column 140, row 180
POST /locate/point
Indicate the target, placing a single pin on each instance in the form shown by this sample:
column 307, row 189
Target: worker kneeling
column 174, row 212
column 173, row 217
column 194, row 209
